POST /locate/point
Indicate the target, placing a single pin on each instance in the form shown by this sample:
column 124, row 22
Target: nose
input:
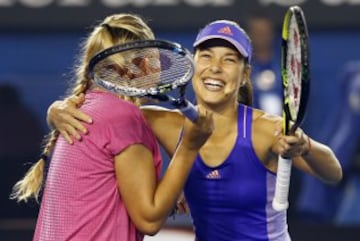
column 215, row 66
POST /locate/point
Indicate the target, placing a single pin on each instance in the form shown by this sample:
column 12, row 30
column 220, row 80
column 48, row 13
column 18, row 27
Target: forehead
column 212, row 43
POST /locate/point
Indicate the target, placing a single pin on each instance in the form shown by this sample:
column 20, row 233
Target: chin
column 212, row 100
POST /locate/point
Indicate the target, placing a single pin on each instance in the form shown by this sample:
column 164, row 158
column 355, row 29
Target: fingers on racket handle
column 190, row 111
column 280, row 201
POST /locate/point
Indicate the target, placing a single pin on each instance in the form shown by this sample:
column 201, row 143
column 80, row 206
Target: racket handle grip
column 189, row 110
column 280, row 201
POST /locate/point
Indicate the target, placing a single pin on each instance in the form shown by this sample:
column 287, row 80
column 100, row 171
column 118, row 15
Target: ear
column 243, row 82
column 246, row 75
column 247, row 71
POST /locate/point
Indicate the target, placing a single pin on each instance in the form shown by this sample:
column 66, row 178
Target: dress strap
column 245, row 121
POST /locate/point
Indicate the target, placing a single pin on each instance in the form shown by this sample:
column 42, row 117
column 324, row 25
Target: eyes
column 227, row 58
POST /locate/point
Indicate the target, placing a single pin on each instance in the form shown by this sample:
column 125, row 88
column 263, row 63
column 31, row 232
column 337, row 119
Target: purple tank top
column 233, row 200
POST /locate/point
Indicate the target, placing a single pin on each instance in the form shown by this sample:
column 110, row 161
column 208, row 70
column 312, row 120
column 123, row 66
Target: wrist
column 308, row 147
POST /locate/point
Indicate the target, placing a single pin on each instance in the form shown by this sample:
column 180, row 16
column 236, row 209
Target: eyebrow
column 228, row 52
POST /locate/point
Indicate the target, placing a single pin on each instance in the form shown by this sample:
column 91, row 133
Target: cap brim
column 239, row 47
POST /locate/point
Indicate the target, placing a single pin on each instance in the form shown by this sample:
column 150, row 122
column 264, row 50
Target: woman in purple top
column 107, row 187
column 231, row 185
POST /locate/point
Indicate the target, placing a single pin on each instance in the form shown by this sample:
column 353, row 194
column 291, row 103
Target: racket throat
column 178, row 103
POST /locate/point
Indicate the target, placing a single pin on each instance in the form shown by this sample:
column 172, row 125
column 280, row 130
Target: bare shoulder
column 163, row 120
column 265, row 130
column 265, row 121
column 154, row 112
column 166, row 125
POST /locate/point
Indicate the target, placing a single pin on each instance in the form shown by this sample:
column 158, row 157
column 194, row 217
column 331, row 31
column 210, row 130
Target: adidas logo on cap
column 226, row 30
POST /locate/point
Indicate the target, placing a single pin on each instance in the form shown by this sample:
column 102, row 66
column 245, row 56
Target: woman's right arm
column 65, row 116
column 147, row 200
column 166, row 125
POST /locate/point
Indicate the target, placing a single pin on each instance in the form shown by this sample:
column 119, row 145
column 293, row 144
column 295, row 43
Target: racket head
column 295, row 68
column 142, row 68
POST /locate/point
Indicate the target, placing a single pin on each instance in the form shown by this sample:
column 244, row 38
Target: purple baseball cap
column 229, row 31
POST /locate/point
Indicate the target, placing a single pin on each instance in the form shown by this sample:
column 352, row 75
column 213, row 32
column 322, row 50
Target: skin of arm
column 321, row 162
column 148, row 200
column 314, row 158
column 66, row 117
column 166, row 125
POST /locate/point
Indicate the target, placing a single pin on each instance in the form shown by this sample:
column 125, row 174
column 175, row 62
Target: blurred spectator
column 20, row 140
column 266, row 59
column 340, row 204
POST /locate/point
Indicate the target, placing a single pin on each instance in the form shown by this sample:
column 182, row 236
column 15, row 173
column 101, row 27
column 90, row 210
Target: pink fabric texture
column 81, row 201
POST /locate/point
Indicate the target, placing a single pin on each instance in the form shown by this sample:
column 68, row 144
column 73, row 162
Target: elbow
column 338, row 173
column 334, row 170
column 336, row 177
column 149, row 228
column 147, row 219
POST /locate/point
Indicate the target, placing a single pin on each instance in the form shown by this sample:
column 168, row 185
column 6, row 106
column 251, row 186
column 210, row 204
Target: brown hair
column 246, row 94
column 114, row 29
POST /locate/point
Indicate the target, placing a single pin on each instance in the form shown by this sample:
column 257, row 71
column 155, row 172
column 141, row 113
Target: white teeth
column 214, row 82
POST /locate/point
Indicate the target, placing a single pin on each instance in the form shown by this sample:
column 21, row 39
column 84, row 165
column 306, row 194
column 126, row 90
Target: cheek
column 197, row 74
column 195, row 82
column 236, row 76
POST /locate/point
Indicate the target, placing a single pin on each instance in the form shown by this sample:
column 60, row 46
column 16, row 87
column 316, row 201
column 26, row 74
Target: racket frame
column 290, row 123
column 156, row 43
column 158, row 93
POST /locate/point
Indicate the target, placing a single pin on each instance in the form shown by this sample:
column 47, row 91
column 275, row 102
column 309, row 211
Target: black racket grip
column 189, row 110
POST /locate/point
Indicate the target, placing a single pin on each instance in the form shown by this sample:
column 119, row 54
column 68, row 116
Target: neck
column 223, row 113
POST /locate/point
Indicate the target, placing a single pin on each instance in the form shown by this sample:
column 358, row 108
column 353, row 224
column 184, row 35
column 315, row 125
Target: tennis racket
column 147, row 68
column 295, row 75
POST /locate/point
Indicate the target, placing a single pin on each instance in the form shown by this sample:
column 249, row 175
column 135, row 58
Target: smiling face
column 219, row 73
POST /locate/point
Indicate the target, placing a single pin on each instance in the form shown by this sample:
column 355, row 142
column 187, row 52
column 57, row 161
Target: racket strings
column 294, row 68
column 143, row 71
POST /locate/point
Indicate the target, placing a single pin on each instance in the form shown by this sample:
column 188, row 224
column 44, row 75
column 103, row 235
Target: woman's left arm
column 319, row 160
column 307, row 154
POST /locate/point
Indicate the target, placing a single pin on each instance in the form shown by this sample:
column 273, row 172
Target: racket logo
column 296, row 39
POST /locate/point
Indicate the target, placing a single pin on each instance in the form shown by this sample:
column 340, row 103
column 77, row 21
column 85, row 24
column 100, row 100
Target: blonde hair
column 113, row 30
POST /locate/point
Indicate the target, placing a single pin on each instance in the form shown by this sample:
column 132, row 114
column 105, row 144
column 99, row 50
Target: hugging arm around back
column 65, row 116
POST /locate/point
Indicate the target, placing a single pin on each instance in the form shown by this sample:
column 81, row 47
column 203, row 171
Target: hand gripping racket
column 147, row 68
column 295, row 75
